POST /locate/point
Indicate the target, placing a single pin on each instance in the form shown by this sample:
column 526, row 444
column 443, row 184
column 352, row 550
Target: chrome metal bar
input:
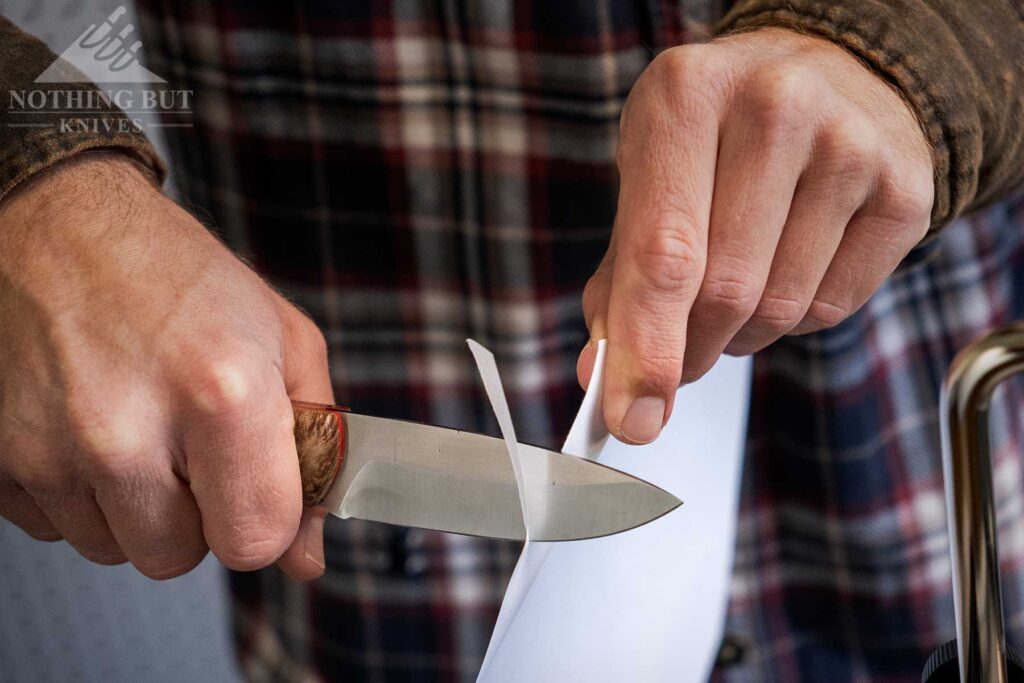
column 967, row 472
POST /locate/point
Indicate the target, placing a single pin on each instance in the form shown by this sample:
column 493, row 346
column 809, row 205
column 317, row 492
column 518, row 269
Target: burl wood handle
column 320, row 441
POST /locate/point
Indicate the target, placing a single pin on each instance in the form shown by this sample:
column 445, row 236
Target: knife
column 420, row 475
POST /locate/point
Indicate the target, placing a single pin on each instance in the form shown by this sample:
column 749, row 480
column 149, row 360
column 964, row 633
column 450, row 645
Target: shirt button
column 731, row 651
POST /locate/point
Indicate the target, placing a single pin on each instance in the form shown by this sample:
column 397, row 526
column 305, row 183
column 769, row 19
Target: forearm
column 959, row 64
column 24, row 150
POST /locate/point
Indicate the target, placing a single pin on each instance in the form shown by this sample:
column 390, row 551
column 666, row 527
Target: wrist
column 89, row 203
column 71, row 194
column 95, row 173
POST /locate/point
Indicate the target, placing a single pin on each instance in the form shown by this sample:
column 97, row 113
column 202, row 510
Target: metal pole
column 967, row 472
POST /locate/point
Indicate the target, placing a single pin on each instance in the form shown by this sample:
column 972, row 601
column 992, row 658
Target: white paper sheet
column 532, row 556
column 647, row 604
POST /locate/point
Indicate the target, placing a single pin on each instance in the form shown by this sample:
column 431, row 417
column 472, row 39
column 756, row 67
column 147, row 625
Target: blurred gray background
column 64, row 619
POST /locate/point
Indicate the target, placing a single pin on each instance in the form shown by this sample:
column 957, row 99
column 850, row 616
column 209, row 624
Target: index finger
column 242, row 464
column 667, row 165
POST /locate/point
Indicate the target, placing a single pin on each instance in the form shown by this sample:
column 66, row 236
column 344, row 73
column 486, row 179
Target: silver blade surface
column 425, row 476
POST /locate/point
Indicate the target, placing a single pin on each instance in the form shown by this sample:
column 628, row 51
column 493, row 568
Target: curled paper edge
column 488, row 370
column 588, row 433
column 586, row 439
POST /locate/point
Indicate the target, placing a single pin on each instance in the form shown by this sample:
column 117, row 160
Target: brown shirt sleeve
column 27, row 150
column 960, row 65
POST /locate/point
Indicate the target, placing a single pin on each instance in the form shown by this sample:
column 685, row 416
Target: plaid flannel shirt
column 413, row 174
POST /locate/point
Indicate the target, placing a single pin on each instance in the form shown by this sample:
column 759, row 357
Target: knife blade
column 419, row 475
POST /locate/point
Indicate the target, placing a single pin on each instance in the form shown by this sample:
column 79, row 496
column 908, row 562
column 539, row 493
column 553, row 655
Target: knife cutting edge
column 420, row 475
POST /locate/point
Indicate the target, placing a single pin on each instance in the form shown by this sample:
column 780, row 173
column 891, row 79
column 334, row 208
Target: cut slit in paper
column 585, row 438
column 644, row 605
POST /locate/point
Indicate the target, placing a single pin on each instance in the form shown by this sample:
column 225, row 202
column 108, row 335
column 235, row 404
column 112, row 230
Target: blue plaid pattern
column 415, row 173
column 842, row 570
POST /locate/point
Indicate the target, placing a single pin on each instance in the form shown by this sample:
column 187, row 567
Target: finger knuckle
column 257, row 554
column 778, row 312
column 29, row 462
column 108, row 439
column 850, row 145
column 679, row 66
column 823, row 314
column 669, row 261
column 254, row 544
column 681, row 85
column 45, row 477
column 220, row 386
column 907, row 197
column 729, row 297
column 659, row 374
column 782, row 96
column 683, row 79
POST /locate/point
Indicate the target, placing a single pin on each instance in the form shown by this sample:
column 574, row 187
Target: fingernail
column 643, row 420
column 314, row 547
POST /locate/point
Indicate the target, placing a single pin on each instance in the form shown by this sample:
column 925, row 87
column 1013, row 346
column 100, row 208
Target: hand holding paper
column 644, row 605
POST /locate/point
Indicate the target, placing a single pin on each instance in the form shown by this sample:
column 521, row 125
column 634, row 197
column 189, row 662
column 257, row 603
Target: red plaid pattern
column 842, row 570
column 413, row 174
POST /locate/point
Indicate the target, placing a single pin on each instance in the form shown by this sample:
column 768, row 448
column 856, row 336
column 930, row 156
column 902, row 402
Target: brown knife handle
column 320, row 442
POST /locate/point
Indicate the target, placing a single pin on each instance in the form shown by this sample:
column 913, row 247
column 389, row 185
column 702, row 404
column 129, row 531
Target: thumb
column 307, row 378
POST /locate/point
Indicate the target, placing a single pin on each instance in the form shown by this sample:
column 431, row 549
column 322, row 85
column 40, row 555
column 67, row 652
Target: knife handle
column 320, row 442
